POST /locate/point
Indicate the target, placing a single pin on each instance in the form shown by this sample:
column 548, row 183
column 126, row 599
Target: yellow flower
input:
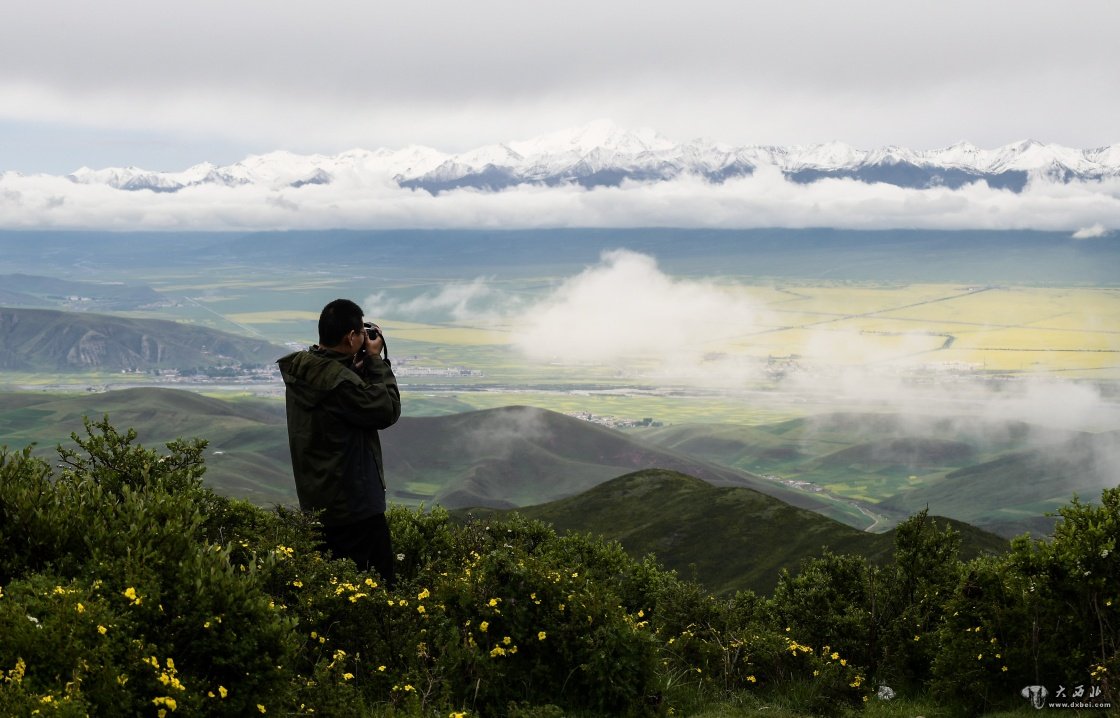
column 130, row 594
column 347, row 676
column 222, row 691
column 102, row 630
column 420, row 609
column 423, row 594
column 507, row 640
column 484, row 626
column 497, row 651
column 381, row 669
column 752, row 679
column 80, row 608
column 494, row 602
column 297, row 583
column 834, row 656
column 843, row 661
column 541, row 636
column 165, row 701
column 261, row 708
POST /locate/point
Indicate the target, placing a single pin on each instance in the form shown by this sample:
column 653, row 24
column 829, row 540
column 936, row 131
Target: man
column 339, row 393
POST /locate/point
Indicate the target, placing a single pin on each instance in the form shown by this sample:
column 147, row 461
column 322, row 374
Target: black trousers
column 367, row 543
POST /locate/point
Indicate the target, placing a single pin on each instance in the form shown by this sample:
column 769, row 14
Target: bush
column 134, row 608
column 128, row 588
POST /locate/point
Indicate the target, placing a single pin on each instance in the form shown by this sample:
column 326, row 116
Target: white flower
column 885, row 693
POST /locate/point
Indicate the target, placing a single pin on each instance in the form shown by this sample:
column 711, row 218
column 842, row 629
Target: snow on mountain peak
column 594, row 135
column 601, row 152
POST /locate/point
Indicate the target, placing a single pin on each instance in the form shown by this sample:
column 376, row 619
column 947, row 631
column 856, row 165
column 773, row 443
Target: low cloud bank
column 764, row 199
column 627, row 315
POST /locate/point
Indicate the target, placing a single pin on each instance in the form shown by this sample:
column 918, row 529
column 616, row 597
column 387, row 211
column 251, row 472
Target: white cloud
column 625, row 309
column 695, row 333
column 765, row 199
column 1095, row 231
column 468, row 302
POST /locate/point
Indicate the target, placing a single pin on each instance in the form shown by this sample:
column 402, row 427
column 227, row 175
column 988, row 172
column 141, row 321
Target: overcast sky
column 167, row 85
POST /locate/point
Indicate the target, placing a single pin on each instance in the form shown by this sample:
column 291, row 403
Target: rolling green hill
column 573, row 474
column 732, row 537
column 519, row 456
column 1011, row 494
column 1004, row 476
column 515, row 456
column 994, row 476
column 247, row 455
column 46, row 340
column 27, row 290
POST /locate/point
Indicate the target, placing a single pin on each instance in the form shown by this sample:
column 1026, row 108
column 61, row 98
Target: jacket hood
column 310, row 375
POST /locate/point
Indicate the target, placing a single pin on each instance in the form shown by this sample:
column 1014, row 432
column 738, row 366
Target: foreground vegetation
column 127, row 588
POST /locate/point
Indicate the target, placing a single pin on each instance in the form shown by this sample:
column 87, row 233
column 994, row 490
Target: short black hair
column 337, row 319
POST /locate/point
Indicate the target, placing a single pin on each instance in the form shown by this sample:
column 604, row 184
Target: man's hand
column 374, row 346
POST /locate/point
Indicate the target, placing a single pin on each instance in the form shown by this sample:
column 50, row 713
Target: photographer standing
column 339, row 393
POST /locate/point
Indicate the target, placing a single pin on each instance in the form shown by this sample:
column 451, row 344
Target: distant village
column 615, row 422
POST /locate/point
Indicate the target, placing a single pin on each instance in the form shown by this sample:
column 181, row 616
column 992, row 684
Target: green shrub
column 128, row 588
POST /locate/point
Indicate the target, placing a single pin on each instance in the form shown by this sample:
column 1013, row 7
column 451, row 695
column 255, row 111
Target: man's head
column 336, row 322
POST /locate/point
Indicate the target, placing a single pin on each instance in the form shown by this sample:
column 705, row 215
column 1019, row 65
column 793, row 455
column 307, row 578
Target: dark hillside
column 1001, row 475
column 906, row 453
column 519, row 456
column 1013, row 492
column 247, row 452
column 515, row 456
column 733, row 538
column 53, row 341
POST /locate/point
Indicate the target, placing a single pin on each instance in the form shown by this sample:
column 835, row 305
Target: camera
column 374, row 333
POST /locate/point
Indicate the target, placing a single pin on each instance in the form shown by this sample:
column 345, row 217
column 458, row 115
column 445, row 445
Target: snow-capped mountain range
column 602, row 154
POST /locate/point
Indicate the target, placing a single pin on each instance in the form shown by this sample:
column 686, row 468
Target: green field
column 1012, row 327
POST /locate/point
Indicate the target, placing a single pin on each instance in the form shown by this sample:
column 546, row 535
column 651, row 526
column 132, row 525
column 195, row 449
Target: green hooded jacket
column 334, row 414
